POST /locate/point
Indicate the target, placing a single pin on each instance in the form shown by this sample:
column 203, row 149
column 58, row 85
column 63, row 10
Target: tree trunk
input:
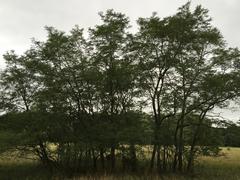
column 164, row 158
column 153, row 157
column 190, row 164
column 191, row 160
column 175, row 161
column 94, row 158
column 180, row 149
column 113, row 158
column 133, row 158
column 158, row 158
column 102, row 158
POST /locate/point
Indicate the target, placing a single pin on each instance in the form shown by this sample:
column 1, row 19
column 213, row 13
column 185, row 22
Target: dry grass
column 225, row 167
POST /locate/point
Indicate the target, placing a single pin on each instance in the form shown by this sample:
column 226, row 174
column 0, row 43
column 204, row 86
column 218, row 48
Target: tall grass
column 224, row 167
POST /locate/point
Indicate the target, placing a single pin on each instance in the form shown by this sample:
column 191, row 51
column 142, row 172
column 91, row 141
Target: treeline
column 111, row 100
column 230, row 135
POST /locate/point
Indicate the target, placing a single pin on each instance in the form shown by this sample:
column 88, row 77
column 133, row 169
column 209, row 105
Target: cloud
column 22, row 20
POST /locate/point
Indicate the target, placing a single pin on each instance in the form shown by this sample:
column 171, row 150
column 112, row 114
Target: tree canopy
column 84, row 103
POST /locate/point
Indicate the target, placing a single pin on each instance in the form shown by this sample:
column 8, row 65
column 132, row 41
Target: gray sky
column 20, row 20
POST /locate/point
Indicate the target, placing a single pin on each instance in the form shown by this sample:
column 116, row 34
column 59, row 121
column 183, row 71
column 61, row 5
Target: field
column 226, row 166
column 223, row 167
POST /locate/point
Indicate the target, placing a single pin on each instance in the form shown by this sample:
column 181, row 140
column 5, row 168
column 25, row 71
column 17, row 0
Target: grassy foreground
column 212, row 168
column 223, row 167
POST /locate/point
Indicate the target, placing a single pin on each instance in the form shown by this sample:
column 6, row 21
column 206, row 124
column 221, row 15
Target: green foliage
column 87, row 103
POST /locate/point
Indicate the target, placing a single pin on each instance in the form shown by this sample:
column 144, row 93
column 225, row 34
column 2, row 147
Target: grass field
column 225, row 167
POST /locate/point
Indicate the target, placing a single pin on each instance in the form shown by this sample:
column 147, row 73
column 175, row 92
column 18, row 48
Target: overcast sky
column 21, row 20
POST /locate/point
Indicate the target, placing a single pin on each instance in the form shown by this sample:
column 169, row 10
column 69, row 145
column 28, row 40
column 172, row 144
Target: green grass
column 223, row 167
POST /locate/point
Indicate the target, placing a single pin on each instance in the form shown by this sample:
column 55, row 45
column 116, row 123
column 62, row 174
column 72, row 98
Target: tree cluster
column 115, row 100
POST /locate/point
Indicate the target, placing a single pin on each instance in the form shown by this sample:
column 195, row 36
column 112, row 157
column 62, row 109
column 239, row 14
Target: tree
column 117, row 72
column 92, row 103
